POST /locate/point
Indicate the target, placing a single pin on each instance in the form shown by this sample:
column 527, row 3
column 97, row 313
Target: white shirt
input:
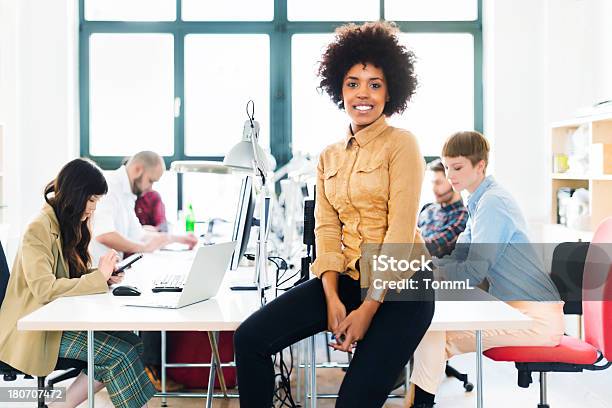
column 115, row 213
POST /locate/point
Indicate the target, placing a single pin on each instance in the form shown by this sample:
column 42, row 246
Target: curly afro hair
column 375, row 43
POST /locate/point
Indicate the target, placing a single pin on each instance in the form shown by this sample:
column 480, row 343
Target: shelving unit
column 597, row 180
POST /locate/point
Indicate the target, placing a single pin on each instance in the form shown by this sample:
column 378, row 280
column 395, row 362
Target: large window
column 131, row 88
column 216, row 89
column 174, row 76
column 444, row 100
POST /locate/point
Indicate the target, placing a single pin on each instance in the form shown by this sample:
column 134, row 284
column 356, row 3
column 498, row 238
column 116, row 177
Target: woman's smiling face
column 364, row 92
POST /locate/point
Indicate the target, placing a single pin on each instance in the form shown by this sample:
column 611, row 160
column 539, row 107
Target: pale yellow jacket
column 39, row 275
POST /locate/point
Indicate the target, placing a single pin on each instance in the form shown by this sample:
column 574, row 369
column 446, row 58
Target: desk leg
column 479, row 391
column 211, row 376
column 298, row 375
column 306, row 359
column 212, row 338
column 90, row 369
column 164, row 400
column 313, row 372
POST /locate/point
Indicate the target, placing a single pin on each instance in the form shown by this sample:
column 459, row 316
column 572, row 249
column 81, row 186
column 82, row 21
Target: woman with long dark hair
column 53, row 261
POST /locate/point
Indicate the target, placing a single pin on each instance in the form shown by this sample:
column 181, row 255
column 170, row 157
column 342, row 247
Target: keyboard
column 169, row 283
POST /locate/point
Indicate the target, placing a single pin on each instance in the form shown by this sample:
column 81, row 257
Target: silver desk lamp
column 245, row 157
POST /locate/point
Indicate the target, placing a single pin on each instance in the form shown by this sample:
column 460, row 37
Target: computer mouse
column 126, row 290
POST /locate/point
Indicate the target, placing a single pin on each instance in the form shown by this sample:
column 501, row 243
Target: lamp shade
column 240, row 157
column 247, row 155
column 199, row 166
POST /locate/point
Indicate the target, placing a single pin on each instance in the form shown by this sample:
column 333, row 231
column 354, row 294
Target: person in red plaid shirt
column 441, row 222
column 151, row 211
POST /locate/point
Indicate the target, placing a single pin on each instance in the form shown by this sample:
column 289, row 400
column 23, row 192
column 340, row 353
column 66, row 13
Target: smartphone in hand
column 126, row 263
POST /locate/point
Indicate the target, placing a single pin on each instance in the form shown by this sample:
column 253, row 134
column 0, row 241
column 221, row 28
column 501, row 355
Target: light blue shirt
column 495, row 246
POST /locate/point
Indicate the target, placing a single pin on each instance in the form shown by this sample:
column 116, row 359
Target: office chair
column 566, row 273
column 9, row 373
column 572, row 354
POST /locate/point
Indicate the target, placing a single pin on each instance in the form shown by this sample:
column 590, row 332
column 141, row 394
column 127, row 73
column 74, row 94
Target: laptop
column 201, row 282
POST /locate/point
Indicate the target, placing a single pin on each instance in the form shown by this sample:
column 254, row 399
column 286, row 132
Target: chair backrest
column 4, row 274
column 566, row 273
column 597, row 290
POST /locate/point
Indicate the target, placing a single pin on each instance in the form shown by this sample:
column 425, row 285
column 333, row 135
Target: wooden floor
column 587, row 389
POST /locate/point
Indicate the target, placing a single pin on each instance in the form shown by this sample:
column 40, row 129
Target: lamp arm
column 259, row 163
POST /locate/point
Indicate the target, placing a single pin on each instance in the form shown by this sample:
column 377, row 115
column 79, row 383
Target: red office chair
column 574, row 355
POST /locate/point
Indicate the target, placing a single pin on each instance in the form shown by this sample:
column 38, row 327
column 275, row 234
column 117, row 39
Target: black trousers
column 152, row 348
column 393, row 335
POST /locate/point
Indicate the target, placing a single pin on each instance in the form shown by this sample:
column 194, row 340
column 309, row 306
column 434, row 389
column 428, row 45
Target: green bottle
column 190, row 220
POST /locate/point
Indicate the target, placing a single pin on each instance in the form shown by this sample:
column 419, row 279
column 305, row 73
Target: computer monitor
column 243, row 220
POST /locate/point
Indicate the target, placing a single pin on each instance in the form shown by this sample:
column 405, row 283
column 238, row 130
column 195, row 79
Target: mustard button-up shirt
column 368, row 190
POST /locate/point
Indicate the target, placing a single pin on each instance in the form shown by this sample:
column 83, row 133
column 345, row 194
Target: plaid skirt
column 117, row 364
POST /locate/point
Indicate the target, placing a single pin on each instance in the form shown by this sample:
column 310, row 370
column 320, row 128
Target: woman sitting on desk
column 53, row 261
column 368, row 189
column 495, row 247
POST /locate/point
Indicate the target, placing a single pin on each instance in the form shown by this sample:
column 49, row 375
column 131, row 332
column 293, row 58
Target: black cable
column 282, row 393
column 276, row 275
column 280, row 266
column 251, row 114
column 283, row 263
column 288, row 279
column 281, row 276
column 271, row 259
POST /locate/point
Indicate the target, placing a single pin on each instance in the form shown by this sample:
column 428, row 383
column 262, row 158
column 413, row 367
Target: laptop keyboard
column 169, row 283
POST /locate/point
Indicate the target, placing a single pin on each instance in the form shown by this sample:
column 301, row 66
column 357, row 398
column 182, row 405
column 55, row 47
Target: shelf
column 570, row 176
column 570, row 123
column 576, row 122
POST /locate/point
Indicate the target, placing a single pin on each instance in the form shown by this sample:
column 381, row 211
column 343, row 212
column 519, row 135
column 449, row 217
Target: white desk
column 478, row 316
column 227, row 311
column 486, row 313
column 483, row 314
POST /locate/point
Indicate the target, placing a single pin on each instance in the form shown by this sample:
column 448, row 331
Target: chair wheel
column 468, row 386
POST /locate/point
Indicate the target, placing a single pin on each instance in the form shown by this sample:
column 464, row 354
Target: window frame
column 280, row 31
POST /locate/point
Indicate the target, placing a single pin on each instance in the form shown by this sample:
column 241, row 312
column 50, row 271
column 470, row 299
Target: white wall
column 514, row 52
column 599, row 41
column 9, row 111
column 37, row 98
column 571, row 71
column 544, row 60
